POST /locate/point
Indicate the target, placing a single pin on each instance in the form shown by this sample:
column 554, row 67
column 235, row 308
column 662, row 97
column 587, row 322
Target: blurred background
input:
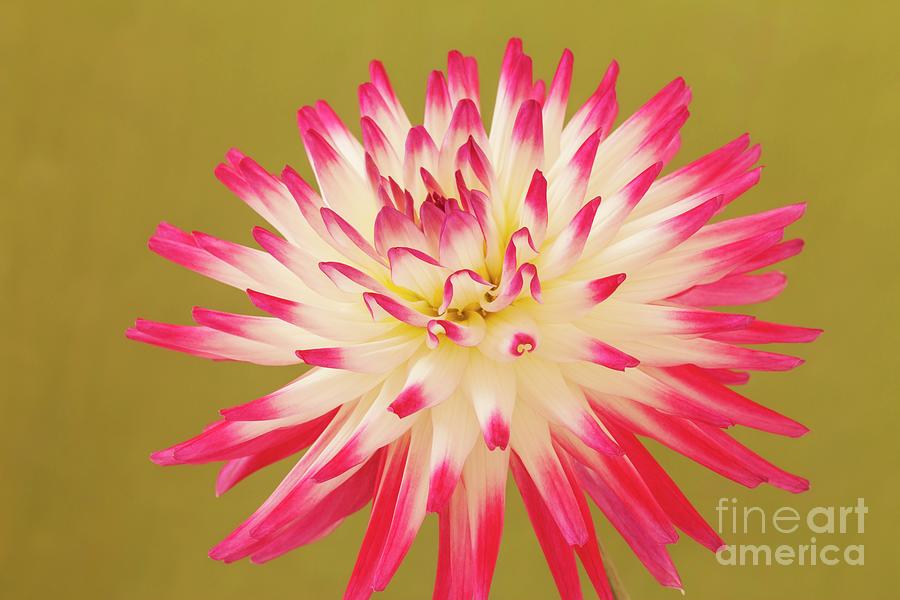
column 112, row 117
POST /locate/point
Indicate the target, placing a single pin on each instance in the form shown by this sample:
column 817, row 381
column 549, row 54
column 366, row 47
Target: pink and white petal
column 209, row 343
column 640, row 248
column 480, row 204
column 484, row 480
column 181, row 248
column 676, row 272
column 300, row 263
column 462, row 244
column 734, row 290
column 454, row 433
column 322, row 517
column 367, row 429
column 557, row 549
column 514, row 87
column 541, row 387
column 323, row 508
column 680, row 435
column 589, row 552
column 296, row 492
column 617, row 487
column 382, row 83
column 564, row 342
column 732, row 230
column 771, row 256
column 650, row 551
column 567, row 302
column 387, row 490
column 431, row 219
column 462, row 77
column 566, row 249
column 420, row 152
column 615, row 209
column 520, row 249
column 638, row 386
column 567, row 183
column 343, row 188
column 409, row 510
column 706, row 391
column 310, row 203
column 339, row 135
column 418, row 272
column 525, row 154
column 394, row 229
column 710, row 170
column 771, row 474
column 631, row 319
column 383, row 307
column 534, row 208
column 311, row 395
column 387, row 113
column 705, row 444
column 266, row 330
column 554, row 107
column 433, row 377
column 341, row 322
column 532, row 445
column 491, row 388
column 237, row 469
column 455, row 576
column 351, row 243
column 660, row 144
column 227, row 440
column 670, row 351
column 438, row 107
column 597, row 114
column 267, row 271
column 474, row 167
column 764, row 332
column 380, row 149
column 351, row 280
column 265, row 194
column 465, row 123
column 670, row 498
column 369, row 357
column 727, row 190
column 135, row 335
column 642, row 139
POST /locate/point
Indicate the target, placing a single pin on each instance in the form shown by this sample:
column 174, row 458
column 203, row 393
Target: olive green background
column 112, row 117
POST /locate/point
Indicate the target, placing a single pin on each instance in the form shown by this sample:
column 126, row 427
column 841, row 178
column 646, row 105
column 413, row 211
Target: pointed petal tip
column 794, row 363
column 802, row 485
column 409, row 401
column 164, row 458
column 799, row 430
column 321, row 357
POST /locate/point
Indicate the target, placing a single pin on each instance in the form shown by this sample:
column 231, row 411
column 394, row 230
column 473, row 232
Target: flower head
column 530, row 298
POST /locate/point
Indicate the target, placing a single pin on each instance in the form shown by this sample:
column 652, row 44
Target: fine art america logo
column 826, row 522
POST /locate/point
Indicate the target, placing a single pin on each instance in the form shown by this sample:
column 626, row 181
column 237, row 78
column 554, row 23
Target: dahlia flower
column 530, row 299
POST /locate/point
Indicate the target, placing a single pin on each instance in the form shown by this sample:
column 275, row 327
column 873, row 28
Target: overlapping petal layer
column 528, row 299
